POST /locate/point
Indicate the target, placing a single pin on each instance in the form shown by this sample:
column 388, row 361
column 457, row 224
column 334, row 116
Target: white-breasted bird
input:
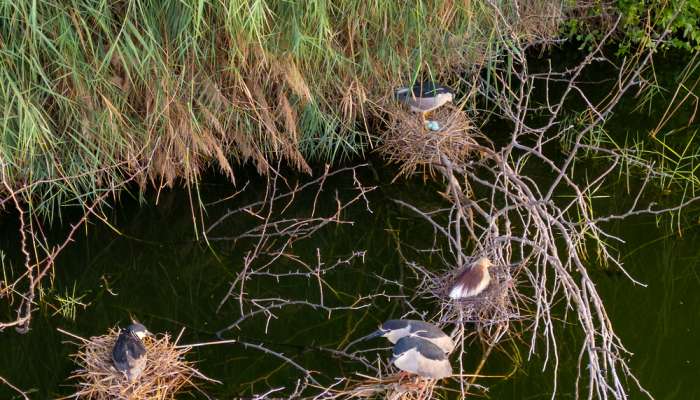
column 424, row 97
column 421, row 357
column 129, row 353
column 396, row 329
column 473, row 280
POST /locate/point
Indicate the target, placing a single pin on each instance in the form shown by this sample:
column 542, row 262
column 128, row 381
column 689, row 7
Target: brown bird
column 472, row 280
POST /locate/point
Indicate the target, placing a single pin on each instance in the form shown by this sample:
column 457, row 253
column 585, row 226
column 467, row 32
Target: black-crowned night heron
column 421, row 357
column 129, row 353
column 424, row 97
column 473, row 280
column 396, row 329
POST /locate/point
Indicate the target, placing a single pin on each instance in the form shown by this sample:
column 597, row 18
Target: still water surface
column 150, row 266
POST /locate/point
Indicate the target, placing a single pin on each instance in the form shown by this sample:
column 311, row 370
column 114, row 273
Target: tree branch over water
column 539, row 232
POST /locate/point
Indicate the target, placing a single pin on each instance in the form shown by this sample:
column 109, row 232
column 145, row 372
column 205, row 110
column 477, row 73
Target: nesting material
column 408, row 140
column 393, row 387
column 166, row 373
column 491, row 310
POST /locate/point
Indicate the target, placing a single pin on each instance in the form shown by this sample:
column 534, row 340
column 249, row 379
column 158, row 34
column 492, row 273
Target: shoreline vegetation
column 100, row 95
column 96, row 95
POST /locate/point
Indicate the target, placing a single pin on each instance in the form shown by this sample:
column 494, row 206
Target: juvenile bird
column 129, row 353
column 473, row 280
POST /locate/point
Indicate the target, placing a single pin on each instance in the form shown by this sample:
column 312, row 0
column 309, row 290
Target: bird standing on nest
column 418, row 356
column 473, row 280
column 425, row 97
column 129, row 353
column 396, row 329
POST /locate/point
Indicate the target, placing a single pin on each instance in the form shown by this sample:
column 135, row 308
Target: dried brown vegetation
column 410, row 144
column 167, row 373
column 395, row 386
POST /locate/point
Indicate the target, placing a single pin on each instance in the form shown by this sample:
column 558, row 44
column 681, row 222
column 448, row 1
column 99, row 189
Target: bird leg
column 403, row 375
column 416, row 381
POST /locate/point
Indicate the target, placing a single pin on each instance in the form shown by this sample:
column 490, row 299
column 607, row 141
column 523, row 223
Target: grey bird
column 129, row 353
column 396, row 329
column 424, row 97
column 473, row 280
column 421, row 357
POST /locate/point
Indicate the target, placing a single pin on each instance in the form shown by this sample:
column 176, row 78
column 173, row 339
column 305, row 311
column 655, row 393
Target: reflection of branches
column 37, row 266
column 277, row 226
column 281, row 356
column 266, row 307
column 11, row 386
column 276, row 233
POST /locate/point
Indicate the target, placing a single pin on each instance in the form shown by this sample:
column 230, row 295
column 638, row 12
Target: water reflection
column 150, row 266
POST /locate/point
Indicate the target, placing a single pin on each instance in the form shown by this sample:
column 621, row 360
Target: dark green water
column 159, row 274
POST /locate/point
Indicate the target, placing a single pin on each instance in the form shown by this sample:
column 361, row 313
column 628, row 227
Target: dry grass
column 409, row 143
column 538, row 19
column 397, row 386
column 166, row 373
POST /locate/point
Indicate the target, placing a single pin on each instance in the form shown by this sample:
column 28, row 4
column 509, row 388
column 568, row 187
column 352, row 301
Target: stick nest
column 392, row 387
column 166, row 373
column 407, row 141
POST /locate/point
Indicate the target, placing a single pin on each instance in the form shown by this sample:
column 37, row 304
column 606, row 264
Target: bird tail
column 456, row 292
column 401, row 93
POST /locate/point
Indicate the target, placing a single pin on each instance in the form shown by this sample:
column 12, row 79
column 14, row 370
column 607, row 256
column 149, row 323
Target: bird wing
column 424, row 89
column 135, row 348
column 428, row 89
column 469, row 279
column 426, row 329
column 425, row 347
column 431, row 351
column 118, row 355
column 127, row 347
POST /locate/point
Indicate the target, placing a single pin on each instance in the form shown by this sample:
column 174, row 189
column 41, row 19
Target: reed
column 95, row 94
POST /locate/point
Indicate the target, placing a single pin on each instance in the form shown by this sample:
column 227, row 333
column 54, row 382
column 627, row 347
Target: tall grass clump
column 95, row 94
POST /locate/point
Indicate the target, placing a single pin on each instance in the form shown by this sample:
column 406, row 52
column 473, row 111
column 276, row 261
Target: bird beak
column 375, row 334
column 372, row 335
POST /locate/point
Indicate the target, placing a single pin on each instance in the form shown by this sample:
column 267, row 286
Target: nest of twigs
column 166, row 373
column 408, row 142
column 491, row 305
column 491, row 311
column 397, row 386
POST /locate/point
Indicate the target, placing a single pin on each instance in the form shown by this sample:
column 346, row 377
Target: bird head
column 443, row 95
column 138, row 330
column 484, row 262
column 392, row 329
